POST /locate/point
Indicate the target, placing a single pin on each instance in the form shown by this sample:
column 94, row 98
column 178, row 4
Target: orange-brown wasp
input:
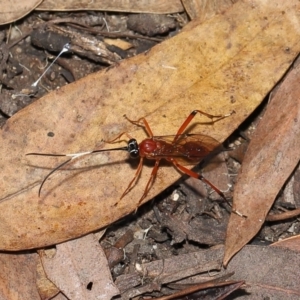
column 177, row 149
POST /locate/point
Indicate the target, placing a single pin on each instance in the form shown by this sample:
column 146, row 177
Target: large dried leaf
column 292, row 243
column 271, row 157
column 269, row 272
column 72, row 268
column 11, row 12
column 205, row 9
column 228, row 63
column 137, row 6
column 15, row 10
column 47, row 289
column 18, row 276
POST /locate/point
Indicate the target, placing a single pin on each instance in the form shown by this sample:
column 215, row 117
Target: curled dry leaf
column 228, row 63
column 46, row 288
column 272, row 155
column 10, row 13
column 73, row 269
column 132, row 6
column 267, row 271
column 203, row 9
column 270, row 272
column 292, row 243
column 18, row 276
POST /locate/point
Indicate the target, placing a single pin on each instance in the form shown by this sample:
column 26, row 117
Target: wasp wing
column 188, row 148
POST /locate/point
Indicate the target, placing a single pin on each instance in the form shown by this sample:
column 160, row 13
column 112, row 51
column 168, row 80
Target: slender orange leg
column 117, row 138
column 133, row 181
column 150, row 181
column 144, row 124
column 192, row 115
column 140, row 166
column 185, row 123
column 137, row 123
column 197, row 176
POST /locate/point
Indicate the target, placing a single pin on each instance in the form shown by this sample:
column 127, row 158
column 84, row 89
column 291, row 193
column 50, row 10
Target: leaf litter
column 100, row 100
column 271, row 157
column 111, row 131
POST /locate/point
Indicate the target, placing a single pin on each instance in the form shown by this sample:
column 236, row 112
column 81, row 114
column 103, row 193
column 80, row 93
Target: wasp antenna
column 50, row 173
column 112, row 149
column 76, row 155
column 72, row 156
column 45, row 154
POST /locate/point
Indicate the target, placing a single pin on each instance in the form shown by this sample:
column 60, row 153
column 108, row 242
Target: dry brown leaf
column 269, row 272
column 80, row 274
column 283, row 216
column 119, row 43
column 18, row 276
column 292, row 243
column 15, row 10
column 205, row 9
column 59, row 296
column 47, row 289
column 132, row 6
column 228, row 63
column 272, row 155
